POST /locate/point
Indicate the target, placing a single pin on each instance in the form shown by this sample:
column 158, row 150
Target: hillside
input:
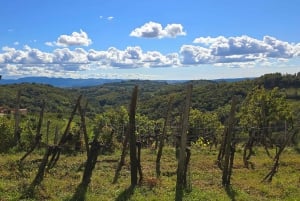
column 59, row 82
column 203, row 174
column 58, row 100
column 152, row 97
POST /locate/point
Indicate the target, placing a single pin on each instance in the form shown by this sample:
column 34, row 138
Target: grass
column 205, row 178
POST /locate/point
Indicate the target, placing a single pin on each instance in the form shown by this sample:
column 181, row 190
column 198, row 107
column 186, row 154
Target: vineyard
column 245, row 149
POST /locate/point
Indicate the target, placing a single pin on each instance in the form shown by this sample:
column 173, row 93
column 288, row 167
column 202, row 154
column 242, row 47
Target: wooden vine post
column 29, row 192
column 17, row 130
column 64, row 138
column 47, row 132
column 38, row 135
column 83, row 127
column 181, row 169
column 88, row 169
column 287, row 138
column 122, row 158
column 132, row 138
column 162, row 138
column 228, row 146
column 51, row 150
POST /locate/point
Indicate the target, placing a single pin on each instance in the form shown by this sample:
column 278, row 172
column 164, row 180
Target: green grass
column 205, row 178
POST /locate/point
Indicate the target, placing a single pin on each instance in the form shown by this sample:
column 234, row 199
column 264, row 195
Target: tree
column 264, row 115
column 206, row 126
column 6, row 134
column 116, row 118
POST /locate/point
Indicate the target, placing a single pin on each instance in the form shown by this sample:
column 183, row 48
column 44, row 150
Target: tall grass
column 205, row 178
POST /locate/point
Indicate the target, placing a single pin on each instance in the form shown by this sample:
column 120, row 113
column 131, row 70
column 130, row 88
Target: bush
column 6, row 135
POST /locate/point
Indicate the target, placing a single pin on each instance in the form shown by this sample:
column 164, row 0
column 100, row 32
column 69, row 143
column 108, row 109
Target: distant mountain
column 234, row 79
column 60, row 82
column 72, row 83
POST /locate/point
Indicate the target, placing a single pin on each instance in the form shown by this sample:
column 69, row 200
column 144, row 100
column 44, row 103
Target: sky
column 149, row 39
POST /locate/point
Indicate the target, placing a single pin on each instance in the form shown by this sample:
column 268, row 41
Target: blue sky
column 149, row 39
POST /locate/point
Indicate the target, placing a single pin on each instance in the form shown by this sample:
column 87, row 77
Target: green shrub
column 6, row 134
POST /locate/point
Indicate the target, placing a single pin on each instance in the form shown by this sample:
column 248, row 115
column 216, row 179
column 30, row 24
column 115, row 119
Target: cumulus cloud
column 133, row 57
column 222, row 46
column 242, row 51
column 25, row 56
column 280, row 49
column 75, row 39
column 155, row 30
column 195, row 55
column 78, row 59
column 237, row 49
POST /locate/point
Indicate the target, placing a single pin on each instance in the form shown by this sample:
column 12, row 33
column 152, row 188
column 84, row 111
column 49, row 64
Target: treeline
column 270, row 81
column 153, row 95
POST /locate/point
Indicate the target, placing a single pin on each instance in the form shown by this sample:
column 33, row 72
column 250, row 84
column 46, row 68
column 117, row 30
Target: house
column 22, row 111
column 6, row 111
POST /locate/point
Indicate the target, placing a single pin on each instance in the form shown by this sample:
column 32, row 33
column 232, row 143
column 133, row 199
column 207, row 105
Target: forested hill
column 153, row 95
column 59, row 82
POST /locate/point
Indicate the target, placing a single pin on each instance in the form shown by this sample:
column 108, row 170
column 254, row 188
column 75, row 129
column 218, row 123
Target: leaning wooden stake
column 275, row 167
column 229, row 147
column 64, row 138
column 83, row 127
column 88, row 170
column 38, row 135
column 122, row 158
column 162, row 138
column 29, row 193
column 181, row 181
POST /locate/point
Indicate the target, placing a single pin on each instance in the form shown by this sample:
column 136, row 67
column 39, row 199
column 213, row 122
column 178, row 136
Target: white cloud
column 26, row 56
column 280, row 49
column 242, row 52
column 109, row 18
column 238, row 46
column 297, row 50
column 237, row 50
column 209, row 40
column 155, row 30
column 67, row 56
column 132, row 57
column 51, row 44
column 75, row 39
column 196, row 55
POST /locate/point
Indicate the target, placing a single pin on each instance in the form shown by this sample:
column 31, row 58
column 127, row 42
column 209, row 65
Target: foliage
column 205, row 125
column 145, row 126
column 6, row 134
column 201, row 142
column 152, row 98
column 58, row 100
column 115, row 118
column 263, row 108
column 272, row 80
